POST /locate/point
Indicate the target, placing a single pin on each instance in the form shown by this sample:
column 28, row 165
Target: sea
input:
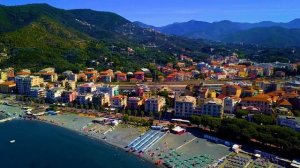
column 42, row 145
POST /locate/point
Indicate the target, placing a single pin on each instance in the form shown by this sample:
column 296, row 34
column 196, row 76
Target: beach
column 170, row 150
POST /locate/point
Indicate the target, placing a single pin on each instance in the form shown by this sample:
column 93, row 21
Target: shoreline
column 112, row 144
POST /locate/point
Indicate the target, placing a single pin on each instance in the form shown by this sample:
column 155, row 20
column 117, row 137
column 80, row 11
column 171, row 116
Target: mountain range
column 36, row 36
column 39, row 35
column 264, row 33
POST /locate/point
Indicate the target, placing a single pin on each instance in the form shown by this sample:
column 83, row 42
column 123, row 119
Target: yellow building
column 3, row 75
column 242, row 74
column 212, row 94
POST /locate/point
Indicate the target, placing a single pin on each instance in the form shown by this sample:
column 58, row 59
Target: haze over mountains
column 264, row 33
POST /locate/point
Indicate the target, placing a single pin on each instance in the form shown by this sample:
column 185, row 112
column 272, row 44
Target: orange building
column 231, row 90
column 262, row 102
column 7, row 87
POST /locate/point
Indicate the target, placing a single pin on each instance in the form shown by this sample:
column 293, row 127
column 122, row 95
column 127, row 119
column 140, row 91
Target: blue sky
column 162, row 12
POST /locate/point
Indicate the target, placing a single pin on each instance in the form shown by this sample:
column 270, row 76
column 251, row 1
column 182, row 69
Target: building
column 70, row 76
column 7, row 87
column 213, row 108
column 112, row 90
column 6, row 73
column 49, row 77
column 134, row 103
column 121, row 77
column 203, row 93
column 119, row 102
column 3, row 75
column 154, row 104
column 288, row 121
column 68, row 96
column 231, row 90
column 230, row 104
column 54, row 94
column 24, row 83
column 70, row 85
column 101, row 99
column 84, row 99
column 86, row 88
column 106, row 76
column 91, row 73
column 261, row 102
column 184, row 106
column 37, row 93
column 142, row 90
column 48, row 74
column 139, row 76
column 270, row 86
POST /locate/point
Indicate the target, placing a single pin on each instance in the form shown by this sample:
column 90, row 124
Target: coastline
column 112, row 144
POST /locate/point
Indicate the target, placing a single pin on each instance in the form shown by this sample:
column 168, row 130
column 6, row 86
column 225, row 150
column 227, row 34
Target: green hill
column 271, row 37
column 45, row 43
column 39, row 35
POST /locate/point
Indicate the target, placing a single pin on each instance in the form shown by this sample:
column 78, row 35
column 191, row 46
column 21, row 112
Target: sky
column 163, row 12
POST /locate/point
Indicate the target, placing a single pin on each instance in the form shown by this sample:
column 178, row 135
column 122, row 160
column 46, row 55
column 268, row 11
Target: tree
column 142, row 113
column 126, row 118
column 135, row 113
column 296, row 113
column 151, row 114
column 263, row 119
column 164, row 94
column 240, row 113
column 159, row 115
column 108, row 111
column 171, row 126
column 129, row 112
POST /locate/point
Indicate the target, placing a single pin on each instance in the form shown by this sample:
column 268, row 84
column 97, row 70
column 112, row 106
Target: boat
column 12, row 141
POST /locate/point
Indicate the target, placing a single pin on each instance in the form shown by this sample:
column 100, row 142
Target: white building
column 112, row 90
column 230, row 104
column 213, row 108
column 86, row 88
column 184, row 106
column 54, row 94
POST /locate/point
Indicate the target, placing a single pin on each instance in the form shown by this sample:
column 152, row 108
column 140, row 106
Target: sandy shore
column 119, row 136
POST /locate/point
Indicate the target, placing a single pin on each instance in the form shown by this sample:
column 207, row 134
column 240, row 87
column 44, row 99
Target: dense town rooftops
column 261, row 98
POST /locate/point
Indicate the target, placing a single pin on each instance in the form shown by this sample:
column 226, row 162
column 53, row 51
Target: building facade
column 154, row 104
column 184, row 106
column 24, row 83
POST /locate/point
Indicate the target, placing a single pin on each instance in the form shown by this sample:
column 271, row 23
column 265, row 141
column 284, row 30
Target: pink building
column 68, row 96
column 121, row 77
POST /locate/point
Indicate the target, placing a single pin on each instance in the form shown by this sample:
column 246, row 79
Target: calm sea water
column 41, row 145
